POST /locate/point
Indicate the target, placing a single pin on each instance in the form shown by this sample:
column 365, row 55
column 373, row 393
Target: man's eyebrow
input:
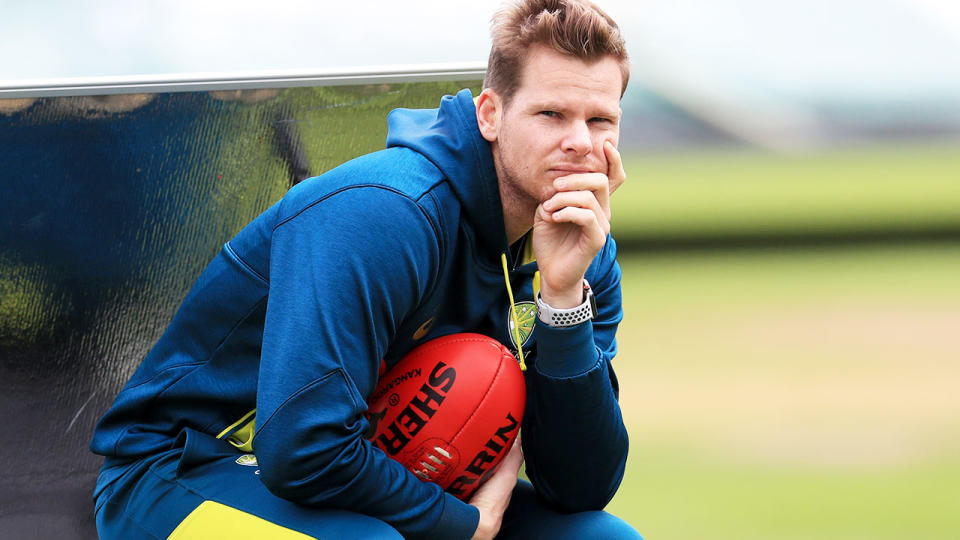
column 557, row 106
column 547, row 106
column 603, row 112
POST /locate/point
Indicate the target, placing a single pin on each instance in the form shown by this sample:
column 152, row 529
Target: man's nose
column 578, row 139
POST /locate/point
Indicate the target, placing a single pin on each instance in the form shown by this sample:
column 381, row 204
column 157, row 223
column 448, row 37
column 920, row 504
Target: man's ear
column 489, row 114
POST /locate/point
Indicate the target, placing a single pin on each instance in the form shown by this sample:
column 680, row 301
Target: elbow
column 590, row 486
column 280, row 476
column 306, row 477
column 307, row 453
column 311, row 483
column 573, row 500
column 281, row 480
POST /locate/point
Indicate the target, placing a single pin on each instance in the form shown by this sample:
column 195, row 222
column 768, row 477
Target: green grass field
column 903, row 188
column 792, row 394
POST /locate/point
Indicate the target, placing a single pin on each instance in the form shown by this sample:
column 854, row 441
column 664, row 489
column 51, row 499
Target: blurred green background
column 790, row 353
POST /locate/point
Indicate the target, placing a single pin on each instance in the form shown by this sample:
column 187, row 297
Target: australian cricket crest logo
column 520, row 320
column 248, row 460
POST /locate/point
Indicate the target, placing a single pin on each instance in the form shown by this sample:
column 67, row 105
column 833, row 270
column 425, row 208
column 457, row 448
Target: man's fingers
column 588, row 220
column 580, row 199
column 596, row 183
column 500, row 484
column 578, row 207
column 496, row 492
column 514, row 457
column 615, row 173
column 582, row 181
column 493, row 497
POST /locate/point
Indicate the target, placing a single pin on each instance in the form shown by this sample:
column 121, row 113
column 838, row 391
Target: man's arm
column 575, row 440
column 341, row 281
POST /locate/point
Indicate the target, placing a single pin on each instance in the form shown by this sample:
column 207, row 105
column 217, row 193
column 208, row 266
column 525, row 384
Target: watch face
column 588, row 298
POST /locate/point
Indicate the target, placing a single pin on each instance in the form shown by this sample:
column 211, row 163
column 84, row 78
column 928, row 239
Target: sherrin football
column 450, row 410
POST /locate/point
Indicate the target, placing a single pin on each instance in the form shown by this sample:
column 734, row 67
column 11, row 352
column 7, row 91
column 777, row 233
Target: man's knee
column 601, row 525
column 592, row 524
column 345, row 525
column 530, row 518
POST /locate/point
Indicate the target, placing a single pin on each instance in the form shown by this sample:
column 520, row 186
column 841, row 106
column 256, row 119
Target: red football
column 450, row 410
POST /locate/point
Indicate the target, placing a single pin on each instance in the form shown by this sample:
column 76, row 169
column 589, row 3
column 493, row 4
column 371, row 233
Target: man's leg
column 207, row 490
column 529, row 518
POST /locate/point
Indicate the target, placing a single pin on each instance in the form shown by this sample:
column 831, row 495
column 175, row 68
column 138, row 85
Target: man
column 274, row 352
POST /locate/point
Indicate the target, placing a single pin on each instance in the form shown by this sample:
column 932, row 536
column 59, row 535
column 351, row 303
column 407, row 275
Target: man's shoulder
column 395, row 169
column 378, row 185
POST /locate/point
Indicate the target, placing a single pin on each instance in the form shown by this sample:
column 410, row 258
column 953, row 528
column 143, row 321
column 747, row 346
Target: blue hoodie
column 279, row 343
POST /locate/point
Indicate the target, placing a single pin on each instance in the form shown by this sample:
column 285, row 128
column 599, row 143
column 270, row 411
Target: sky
column 763, row 49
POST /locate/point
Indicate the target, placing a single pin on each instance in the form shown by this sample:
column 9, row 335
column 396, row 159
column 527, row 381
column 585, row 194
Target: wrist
column 585, row 310
column 489, row 524
column 485, row 532
column 565, row 298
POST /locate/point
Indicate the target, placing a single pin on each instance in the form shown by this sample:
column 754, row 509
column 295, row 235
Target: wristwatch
column 560, row 318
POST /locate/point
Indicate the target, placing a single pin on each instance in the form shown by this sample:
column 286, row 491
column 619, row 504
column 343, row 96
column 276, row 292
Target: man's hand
column 493, row 497
column 571, row 227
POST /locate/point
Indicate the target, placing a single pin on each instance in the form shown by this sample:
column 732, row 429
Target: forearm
column 574, row 437
column 330, row 316
column 330, row 466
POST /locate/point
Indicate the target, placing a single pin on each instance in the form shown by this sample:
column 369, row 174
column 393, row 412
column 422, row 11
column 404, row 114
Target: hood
column 449, row 137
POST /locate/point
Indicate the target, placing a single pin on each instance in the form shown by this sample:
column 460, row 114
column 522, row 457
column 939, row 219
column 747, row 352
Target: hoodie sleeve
column 574, row 438
column 344, row 272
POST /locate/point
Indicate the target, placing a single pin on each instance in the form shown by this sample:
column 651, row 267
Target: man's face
column 555, row 124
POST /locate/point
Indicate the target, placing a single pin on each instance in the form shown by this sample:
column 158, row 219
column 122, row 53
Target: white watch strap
column 560, row 318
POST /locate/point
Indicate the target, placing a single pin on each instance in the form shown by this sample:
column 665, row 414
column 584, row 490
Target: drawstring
column 513, row 313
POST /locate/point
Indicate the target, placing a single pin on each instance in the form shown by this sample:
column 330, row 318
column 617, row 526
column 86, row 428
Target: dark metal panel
column 110, row 208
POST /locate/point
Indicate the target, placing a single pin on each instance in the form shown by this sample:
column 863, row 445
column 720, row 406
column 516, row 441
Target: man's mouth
column 563, row 171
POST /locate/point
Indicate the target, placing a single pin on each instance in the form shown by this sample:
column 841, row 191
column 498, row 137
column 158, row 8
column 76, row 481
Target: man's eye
column 600, row 119
column 551, row 114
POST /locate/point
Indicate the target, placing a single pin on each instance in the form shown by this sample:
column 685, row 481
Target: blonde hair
column 574, row 27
